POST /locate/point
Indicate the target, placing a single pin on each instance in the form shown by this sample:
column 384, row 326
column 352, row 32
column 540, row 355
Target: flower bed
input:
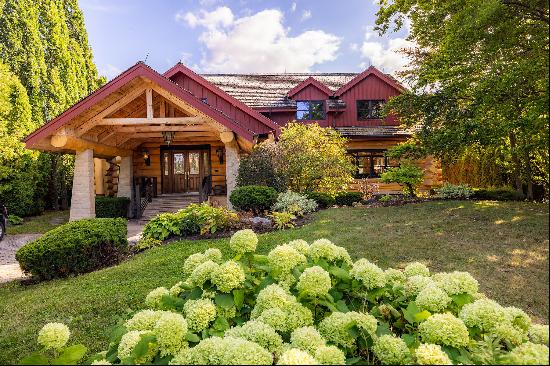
column 311, row 304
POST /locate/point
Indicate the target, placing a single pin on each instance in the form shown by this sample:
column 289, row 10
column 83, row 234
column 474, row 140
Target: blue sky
column 240, row 35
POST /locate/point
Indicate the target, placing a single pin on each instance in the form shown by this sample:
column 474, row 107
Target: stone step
column 167, row 203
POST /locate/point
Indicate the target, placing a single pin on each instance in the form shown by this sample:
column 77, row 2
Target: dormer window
column 310, row 110
column 369, row 109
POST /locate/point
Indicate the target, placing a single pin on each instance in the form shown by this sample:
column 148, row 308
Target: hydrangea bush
column 311, row 304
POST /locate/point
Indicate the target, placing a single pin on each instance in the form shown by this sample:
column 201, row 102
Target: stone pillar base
column 83, row 197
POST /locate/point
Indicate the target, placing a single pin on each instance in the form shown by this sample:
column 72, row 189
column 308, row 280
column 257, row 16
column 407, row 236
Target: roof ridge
column 282, row 74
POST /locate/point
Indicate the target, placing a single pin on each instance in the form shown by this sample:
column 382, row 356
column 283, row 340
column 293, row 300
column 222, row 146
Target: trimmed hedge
column 323, row 200
column 76, row 247
column 348, row 198
column 253, row 198
column 497, row 194
column 111, row 207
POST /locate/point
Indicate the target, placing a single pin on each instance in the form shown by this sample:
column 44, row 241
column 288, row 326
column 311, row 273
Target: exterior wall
column 154, row 170
column 432, row 168
column 219, row 103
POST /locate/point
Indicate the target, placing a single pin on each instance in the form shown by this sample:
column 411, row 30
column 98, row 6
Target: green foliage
column 324, row 200
column 282, row 220
column 111, row 206
column 195, row 219
column 76, row 247
column 314, row 158
column 294, row 203
column 385, row 198
column 15, row 220
column 348, row 198
column 146, row 243
column 466, row 94
column 455, row 191
column 313, row 295
column 407, row 175
column 253, row 198
column 260, row 168
column 497, row 194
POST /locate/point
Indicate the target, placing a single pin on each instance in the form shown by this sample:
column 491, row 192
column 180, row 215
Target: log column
column 83, row 197
column 232, row 161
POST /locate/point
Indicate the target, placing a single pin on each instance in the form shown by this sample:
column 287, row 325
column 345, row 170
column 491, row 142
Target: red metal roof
column 362, row 76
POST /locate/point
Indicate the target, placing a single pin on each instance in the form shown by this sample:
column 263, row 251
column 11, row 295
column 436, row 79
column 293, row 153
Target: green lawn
column 503, row 244
column 39, row 224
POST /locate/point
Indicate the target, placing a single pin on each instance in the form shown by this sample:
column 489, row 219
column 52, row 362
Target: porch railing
column 144, row 189
column 208, row 189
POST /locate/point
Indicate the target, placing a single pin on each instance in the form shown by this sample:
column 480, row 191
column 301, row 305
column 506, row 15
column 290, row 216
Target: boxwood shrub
column 253, row 198
column 111, row 206
column 348, row 198
column 497, row 194
column 323, row 199
column 76, row 247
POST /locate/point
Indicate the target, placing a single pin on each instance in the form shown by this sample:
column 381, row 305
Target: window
column 369, row 109
column 371, row 163
column 310, row 110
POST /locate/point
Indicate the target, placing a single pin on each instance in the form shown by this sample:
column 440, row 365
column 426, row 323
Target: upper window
column 310, row 110
column 369, row 109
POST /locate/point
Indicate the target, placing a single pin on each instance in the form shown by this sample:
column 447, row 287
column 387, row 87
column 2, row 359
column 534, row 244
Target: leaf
column 296, row 272
column 195, row 294
column 462, row 299
column 336, row 295
column 193, row 338
column 34, row 359
column 383, row 328
column 342, row 306
column 352, row 360
column 260, row 259
column 142, row 347
column 328, row 305
column 71, row 355
column 224, row 300
column 410, row 339
column 339, row 273
column 423, row 315
column 221, row 324
column 353, row 331
column 410, row 312
column 238, row 297
column 116, row 333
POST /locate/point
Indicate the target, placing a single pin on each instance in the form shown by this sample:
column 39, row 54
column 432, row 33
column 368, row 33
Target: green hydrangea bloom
column 171, row 332
column 391, row 350
column 456, row 283
column 307, row 339
column 203, row 273
column 335, row 327
column 228, row 276
column 330, row 355
column 192, row 262
column 325, row 249
column 297, row 316
column 286, row 280
column 183, row 357
column 243, row 241
column 214, row 255
column 485, row 314
column 528, row 354
column 433, row 299
column 415, row 284
column 431, row 354
column 129, row 341
column 518, row 318
column 369, row 274
column 260, row 333
column 314, row 281
column 143, row 320
column 283, row 258
column 300, row 245
column 510, row 333
column 295, row 356
column 272, row 296
column 444, row 329
column 101, row 362
column 416, row 269
column 54, row 335
column 538, row 333
column 153, row 298
column 275, row 318
column 395, row 277
column 226, row 313
column 199, row 313
column 176, row 290
column 239, row 351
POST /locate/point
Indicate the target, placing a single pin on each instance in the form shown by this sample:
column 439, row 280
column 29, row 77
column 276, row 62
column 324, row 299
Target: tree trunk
column 516, row 172
column 53, row 191
column 529, row 174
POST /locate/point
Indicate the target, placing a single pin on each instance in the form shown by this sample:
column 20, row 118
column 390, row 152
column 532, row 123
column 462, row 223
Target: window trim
column 310, row 103
column 369, row 108
column 373, row 153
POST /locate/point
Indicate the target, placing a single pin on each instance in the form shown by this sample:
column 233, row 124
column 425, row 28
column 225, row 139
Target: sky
column 240, row 36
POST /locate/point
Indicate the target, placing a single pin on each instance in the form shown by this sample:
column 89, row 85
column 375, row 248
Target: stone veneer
column 83, row 198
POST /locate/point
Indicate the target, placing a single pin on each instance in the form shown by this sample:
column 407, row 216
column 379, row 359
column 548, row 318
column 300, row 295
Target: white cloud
column 293, row 7
column 354, row 47
column 207, row 2
column 306, row 14
column 384, row 55
column 109, row 71
column 258, row 43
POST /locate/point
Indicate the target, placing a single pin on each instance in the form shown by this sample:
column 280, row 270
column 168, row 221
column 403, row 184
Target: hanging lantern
column 168, row 136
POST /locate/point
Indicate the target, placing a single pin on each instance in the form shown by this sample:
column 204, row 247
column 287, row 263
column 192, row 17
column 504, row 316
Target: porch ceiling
column 138, row 112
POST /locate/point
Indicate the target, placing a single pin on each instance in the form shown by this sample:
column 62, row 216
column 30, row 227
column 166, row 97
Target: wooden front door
column 183, row 170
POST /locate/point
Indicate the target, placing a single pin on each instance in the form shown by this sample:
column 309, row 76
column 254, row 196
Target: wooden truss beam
column 147, row 121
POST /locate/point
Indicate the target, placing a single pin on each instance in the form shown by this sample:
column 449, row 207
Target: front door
column 183, row 170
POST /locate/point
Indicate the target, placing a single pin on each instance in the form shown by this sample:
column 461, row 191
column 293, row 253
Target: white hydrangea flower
column 431, row 354
column 433, row 299
column 485, row 314
column 415, row 284
column 307, row 339
column 335, row 327
column 416, row 269
column 101, row 362
column 143, row 320
column 300, row 245
column 199, row 313
column 330, row 355
column 192, row 262
column 258, row 332
column 538, row 333
column 243, row 241
column 283, row 258
column 54, row 335
column 203, row 273
column 154, row 297
column 444, row 329
column 369, row 274
column 295, row 356
column 391, row 350
column 171, row 331
column 528, row 354
column 314, row 281
column 214, row 255
column 129, row 341
column 456, row 283
column 228, row 276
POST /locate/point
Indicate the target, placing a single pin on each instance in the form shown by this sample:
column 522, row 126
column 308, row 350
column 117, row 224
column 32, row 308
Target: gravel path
column 9, row 268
